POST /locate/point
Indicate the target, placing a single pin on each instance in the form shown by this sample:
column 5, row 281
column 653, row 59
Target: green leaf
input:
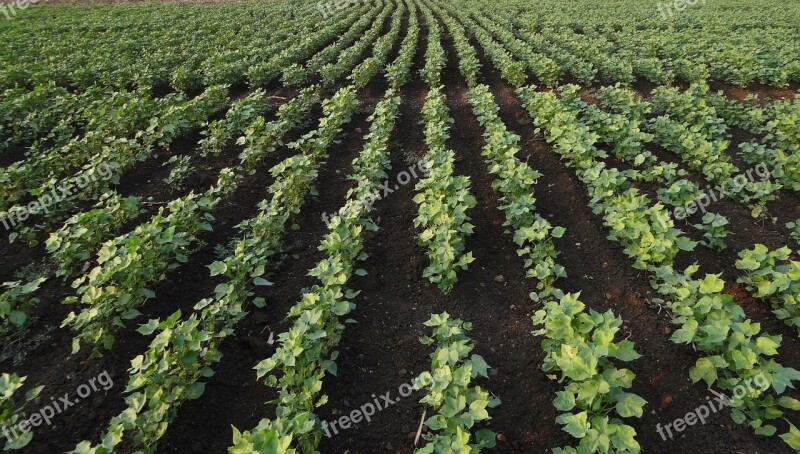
column 148, row 328
column 790, row 403
column 792, row 438
column 703, row 370
column 631, row 406
column 564, row 401
column 260, row 281
column 18, row 318
column 686, row 333
column 575, row 425
column 624, row 351
column 21, row 441
column 711, row 285
column 218, row 268
column 195, row 390
column 479, row 365
column 624, row 439
column 477, row 410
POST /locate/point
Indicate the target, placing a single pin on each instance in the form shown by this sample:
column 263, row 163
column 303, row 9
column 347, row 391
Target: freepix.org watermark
column 713, row 195
column 10, row 10
column 403, row 178
column 379, row 403
column 756, row 385
column 57, row 406
column 57, row 194
column 679, row 5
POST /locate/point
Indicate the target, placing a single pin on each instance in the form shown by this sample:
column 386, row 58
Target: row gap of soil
column 501, row 309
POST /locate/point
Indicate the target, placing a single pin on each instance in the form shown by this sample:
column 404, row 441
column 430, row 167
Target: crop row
column 183, row 351
column 307, row 352
column 708, row 318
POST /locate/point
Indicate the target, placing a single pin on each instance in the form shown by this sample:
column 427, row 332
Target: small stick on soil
column 419, row 429
column 720, row 395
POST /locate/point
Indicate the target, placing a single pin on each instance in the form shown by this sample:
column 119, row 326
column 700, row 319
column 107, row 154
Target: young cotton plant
column 169, row 372
column 783, row 125
column 16, row 302
column 116, row 155
column 710, row 320
column 623, row 132
column 690, row 127
column 714, row 230
column 181, row 168
column 692, row 107
column 443, row 201
column 302, row 45
column 158, row 381
column 182, row 352
column 542, row 66
column 532, row 233
column 261, row 137
column 435, row 57
column 307, row 352
column 398, row 72
column 219, row 132
column 736, row 349
column 645, row 230
column 511, row 70
column 177, row 120
column 784, row 167
column 128, row 264
column 772, row 276
column 73, row 244
column 580, row 345
column 366, row 70
column 598, row 389
column 351, row 56
column 699, row 139
column 468, row 62
column 794, row 228
column 120, row 114
column 11, row 411
column 459, row 405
